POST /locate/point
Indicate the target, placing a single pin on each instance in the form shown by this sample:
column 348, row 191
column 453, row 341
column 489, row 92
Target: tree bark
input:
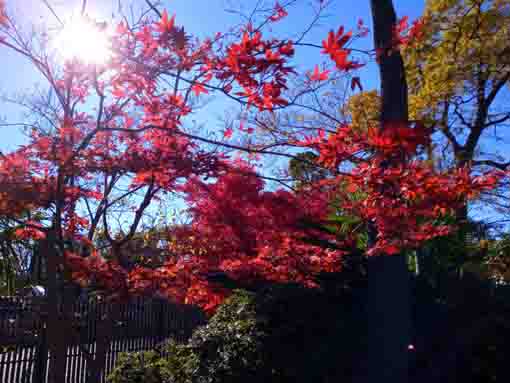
column 55, row 324
column 391, row 66
column 389, row 322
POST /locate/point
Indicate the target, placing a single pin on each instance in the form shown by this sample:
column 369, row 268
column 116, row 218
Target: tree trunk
column 389, row 319
column 389, row 322
column 391, row 66
column 104, row 335
column 56, row 333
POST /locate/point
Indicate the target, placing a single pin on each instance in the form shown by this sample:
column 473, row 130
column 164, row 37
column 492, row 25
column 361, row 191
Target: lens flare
column 84, row 40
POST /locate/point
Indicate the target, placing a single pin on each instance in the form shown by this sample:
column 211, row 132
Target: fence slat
column 9, row 364
column 140, row 324
column 18, row 365
column 3, row 355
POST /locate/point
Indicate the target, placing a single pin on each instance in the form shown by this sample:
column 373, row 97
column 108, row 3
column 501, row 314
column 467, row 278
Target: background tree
column 458, row 72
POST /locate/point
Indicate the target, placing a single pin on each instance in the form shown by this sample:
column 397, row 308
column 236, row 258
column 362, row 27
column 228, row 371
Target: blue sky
column 200, row 18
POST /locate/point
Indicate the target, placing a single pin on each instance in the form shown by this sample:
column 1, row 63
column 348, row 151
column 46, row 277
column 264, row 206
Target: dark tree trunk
column 56, row 326
column 391, row 66
column 389, row 323
column 389, row 319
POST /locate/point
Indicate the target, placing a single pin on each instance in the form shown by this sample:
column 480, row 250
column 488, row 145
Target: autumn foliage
column 237, row 226
column 404, row 197
column 2, row 12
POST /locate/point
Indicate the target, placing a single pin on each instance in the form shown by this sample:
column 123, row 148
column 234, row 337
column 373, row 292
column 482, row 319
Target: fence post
column 108, row 314
column 55, row 324
column 41, row 356
column 162, row 321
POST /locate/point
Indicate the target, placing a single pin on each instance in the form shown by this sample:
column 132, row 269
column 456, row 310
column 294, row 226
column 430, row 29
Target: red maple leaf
column 334, row 46
column 317, row 75
column 166, row 24
column 198, row 88
column 279, row 13
column 228, row 132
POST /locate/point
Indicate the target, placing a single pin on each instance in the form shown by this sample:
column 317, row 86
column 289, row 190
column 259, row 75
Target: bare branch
column 50, row 8
column 153, row 7
column 498, row 165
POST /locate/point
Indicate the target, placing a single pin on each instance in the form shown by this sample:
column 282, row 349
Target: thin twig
column 50, row 8
column 153, row 7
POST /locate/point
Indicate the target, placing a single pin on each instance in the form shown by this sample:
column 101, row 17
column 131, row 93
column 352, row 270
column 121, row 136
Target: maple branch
column 312, row 24
column 498, row 165
column 312, row 45
column 247, row 150
column 88, row 138
column 42, row 67
column 321, row 112
column 105, row 220
column 83, row 7
column 268, row 178
column 241, row 99
column 210, row 87
column 267, row 20
column 152, row 190
column 26, row 125
column 218, row 143
column 100, row 210
column 32, row 107
column 52, row 11
column 153, row 7
column 89, row 211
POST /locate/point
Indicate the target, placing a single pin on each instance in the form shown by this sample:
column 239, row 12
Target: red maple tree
column 135, row 145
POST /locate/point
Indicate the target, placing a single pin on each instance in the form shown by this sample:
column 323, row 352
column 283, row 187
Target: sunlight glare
column 84, row 40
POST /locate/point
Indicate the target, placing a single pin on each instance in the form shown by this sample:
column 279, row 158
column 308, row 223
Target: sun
column 84, row 40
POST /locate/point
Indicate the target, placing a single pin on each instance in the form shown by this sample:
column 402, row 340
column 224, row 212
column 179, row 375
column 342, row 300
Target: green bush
column 227, row 349
column 140, row 367
column 279, row 334
column 284, row 333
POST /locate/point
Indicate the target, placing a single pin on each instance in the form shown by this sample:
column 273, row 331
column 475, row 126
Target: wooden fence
column 138, row 325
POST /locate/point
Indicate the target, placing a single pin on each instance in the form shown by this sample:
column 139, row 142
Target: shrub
column 140, row 367
column 279, row 334
column 283, row 333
